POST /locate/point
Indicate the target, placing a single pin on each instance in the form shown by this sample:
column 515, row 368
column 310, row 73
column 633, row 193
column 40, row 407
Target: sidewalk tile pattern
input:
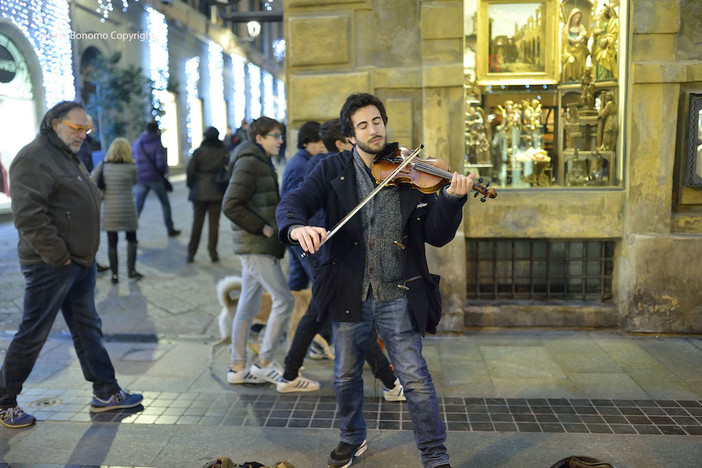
column 595, row 416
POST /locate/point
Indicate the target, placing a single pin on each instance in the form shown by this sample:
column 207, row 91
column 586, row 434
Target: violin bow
column 385, row 182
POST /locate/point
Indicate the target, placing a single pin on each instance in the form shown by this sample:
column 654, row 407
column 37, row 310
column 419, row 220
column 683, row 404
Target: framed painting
column 517, row 42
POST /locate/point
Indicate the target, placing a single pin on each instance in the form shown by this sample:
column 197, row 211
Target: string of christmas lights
column 281, row 106
column 158, row 55
column 239, row 73
column 47, row 26
column 268, row 96
column 218, row 109
column 192, row 78
column 255, row 90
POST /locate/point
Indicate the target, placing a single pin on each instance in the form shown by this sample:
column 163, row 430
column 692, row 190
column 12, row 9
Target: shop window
column 543, row 98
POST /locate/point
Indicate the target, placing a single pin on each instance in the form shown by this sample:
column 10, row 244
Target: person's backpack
column 220, row 462
column 222, row 177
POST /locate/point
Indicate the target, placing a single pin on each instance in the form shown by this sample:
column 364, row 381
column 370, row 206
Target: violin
column 426, row 175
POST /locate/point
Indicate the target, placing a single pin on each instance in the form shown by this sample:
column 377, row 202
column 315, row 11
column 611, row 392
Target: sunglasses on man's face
column 79, row 128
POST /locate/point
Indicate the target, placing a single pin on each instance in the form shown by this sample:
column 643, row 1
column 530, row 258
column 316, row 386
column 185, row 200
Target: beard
column 375, row 147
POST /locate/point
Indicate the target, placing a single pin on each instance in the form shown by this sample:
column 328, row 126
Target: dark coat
column 55, row 205
column 150, row 157
column 206, row 162
column 426, row 219
column 250, row 202
column 294, row 171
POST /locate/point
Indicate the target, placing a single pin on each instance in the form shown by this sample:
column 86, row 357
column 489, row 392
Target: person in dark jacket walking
column 152, row 167
column 205, row 194
column 374, row 273
column 309, row 145
column 250, row 202
column 56, row 210
column 119, row 175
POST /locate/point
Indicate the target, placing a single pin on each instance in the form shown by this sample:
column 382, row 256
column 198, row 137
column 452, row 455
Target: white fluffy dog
column 228, row 290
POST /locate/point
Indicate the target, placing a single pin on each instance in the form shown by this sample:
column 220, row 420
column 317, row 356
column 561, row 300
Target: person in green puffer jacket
column 250, row 203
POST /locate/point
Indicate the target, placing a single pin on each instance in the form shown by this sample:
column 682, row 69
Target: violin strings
column 429, row 169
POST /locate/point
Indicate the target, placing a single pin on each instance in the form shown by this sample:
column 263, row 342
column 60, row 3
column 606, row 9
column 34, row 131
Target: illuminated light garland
column 192, row 78
column 47, row 26
column 158, row 55
column 268, row 97
column 255, row 90
column 239, row 73
column 105, row 8
column 280, row 101
column 218, row 109
column 279, row 50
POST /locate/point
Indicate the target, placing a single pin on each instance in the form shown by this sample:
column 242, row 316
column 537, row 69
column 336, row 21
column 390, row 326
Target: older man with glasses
column 56, row 210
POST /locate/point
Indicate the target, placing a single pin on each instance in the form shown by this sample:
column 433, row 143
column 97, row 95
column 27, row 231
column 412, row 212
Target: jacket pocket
column 425, row 300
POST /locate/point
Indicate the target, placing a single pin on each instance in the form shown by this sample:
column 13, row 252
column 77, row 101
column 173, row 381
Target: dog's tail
column 224, row 287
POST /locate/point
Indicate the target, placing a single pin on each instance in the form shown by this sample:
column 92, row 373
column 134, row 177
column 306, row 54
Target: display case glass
column 544, row 107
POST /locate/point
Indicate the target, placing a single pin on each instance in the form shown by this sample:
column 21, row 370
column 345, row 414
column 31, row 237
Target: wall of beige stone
column 658, row 269
column 409, row 53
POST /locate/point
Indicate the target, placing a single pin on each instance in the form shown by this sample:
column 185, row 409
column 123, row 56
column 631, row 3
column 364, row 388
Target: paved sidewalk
column 509, row 398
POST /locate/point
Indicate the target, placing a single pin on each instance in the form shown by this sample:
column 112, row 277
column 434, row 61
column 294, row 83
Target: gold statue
column 587, row 94
column 575, row 51
column 607, row 125
column 604, row 44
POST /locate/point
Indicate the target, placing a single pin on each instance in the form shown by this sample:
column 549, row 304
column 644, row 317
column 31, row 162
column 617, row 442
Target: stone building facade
column 410, row 54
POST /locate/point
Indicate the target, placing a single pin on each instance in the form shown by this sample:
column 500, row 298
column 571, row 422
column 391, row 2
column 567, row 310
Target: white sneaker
column 271, row 373
column 300, row 384
column 396, row 393
column 320, row 350
column 242, row 377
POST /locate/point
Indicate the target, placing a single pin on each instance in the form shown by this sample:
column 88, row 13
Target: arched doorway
column 21, row 96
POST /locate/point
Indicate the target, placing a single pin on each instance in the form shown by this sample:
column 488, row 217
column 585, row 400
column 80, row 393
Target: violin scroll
column 483, row 190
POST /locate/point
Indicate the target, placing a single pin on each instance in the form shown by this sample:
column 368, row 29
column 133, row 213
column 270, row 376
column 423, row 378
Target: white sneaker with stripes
column 270, row 373
column 242, row 377
column 300, row 384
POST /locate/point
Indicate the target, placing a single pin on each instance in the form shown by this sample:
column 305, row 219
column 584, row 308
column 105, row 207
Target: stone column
column 443, row 122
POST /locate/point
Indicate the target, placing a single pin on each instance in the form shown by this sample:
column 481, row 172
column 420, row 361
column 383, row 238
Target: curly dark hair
column 59, row 111
column 353, row 103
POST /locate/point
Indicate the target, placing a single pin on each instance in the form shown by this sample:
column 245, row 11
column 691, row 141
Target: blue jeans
column 259, row 272
column 69, row 288
column 141, row 190
column 300, row 272
column 403, row 343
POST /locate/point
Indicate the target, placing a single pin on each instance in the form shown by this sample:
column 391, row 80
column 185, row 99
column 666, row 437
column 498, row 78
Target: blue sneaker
column 119, row 400
column 15, row 418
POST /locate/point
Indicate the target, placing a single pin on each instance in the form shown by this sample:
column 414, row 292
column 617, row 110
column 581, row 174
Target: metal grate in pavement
column 600, row 416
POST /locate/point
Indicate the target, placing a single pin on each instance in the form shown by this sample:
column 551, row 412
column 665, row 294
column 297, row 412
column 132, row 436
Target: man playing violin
column 374, row 273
